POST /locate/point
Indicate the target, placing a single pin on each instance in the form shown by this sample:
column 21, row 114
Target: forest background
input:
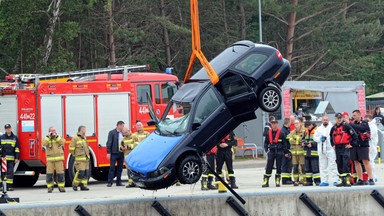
column 323, row 39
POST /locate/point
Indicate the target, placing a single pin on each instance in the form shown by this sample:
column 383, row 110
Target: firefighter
column 372, row 142
column 268, row 126
column 207, row 177
column 327, row 156
column 342, row 138
column 297, row 151
column 312, row 173
column 126, row 146
column 360, row 152
column 286, row 164
column 80, row 150
column 224, row 154
column 10, row 147
column 275, row 145
column 140, row 134
column 53, row 145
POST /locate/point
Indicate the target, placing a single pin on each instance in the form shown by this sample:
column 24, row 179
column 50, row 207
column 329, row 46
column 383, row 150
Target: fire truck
column 117, row 94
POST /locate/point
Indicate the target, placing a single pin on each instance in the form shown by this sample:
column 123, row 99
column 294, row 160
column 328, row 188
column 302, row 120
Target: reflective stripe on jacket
column 10, row 146
column 79, row 148
column 54, row 148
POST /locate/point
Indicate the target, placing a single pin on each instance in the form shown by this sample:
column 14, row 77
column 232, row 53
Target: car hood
column 147, row 156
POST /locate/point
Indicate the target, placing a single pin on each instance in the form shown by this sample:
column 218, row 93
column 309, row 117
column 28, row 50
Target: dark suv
column 201, row 114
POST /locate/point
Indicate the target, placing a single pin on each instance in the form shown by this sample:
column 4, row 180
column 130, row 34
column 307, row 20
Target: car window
column 142, row 93
column 207, row 104
column 234, row 85
column 222, row 61
column 249, row 64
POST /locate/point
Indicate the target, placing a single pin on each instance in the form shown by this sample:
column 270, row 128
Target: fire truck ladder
column 83, row 73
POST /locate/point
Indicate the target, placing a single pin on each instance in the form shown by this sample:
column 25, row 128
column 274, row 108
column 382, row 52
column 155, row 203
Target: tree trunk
column 48, row 39
column 165, row 35
column 345, row 7
column 225, row 21
column 111, row 39
column 291, row 30
column 242, row 19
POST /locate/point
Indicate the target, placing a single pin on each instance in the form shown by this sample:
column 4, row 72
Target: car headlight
column 159, row 172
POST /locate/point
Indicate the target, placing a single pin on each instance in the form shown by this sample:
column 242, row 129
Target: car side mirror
column 195, row 126
column 151, row 122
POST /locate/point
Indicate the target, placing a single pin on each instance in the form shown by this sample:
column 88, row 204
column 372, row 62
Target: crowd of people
column 342, row 154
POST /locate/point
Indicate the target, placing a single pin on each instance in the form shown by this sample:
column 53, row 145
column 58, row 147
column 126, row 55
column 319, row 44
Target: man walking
column 114, row 154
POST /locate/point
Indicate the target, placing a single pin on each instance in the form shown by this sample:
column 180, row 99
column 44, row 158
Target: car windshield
column 176, row 119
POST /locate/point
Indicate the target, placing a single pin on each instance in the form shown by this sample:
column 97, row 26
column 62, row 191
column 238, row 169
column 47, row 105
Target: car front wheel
column 270, row 99
column 190, row 170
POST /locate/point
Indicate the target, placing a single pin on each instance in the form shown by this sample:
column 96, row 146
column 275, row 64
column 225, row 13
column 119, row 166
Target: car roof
column 230, row 55
column 189, row 91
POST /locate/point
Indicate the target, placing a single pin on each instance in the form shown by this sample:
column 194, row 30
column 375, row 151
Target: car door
column 211, row 120
column 239, row 97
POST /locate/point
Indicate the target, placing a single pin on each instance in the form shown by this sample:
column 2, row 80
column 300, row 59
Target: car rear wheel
column 270, row 99
column 190, row 170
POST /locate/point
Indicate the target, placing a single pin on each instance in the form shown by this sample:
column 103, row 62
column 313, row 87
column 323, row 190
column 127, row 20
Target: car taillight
column 279, row 56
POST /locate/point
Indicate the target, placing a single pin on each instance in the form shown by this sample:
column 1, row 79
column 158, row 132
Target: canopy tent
column 379, row 95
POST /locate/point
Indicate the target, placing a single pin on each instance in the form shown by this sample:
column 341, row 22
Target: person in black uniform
column 286, row 164
column 224, row 154
column 275, row 145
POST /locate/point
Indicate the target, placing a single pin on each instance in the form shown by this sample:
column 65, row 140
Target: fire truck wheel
column 190, row 170
column 25, row 181
column 270, row 99
column 100, row 173
column 71, row 171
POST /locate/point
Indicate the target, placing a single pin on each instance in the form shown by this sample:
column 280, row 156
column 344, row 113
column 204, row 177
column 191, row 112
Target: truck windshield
column 176, row 119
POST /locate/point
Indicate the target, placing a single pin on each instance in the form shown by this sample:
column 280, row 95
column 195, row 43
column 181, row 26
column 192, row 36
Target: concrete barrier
column 332, row 201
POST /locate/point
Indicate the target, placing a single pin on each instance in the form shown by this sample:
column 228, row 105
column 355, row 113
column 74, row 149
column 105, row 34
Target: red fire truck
column 98, row 105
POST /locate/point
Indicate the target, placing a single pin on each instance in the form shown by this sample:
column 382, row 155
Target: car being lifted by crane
column 201, row 113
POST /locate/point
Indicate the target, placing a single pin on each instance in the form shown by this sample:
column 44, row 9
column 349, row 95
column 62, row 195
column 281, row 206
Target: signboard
column 306, row 94
column 361, row 101
column 27, row 126
column 287, row 102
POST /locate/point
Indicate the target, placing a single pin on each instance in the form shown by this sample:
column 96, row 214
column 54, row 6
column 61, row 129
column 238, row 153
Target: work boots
column 296, row 181
column 347, row 181
column 344, row 182
column 50, row 189
column 266, row 181
column 61, row 189
column 210, row 185
column 232, row 181
column 204, row 183
column 308, row 182
column 277, row 180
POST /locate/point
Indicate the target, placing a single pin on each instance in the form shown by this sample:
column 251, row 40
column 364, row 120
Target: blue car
column 201, row 114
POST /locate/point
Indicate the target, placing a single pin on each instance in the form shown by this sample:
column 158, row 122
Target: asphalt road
column 249, row 176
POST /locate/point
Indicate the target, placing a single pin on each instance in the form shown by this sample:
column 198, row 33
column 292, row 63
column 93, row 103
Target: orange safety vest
column 341, row 137
column 277, row 136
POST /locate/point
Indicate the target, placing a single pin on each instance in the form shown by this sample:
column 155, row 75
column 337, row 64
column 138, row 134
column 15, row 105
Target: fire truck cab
column 98, row 105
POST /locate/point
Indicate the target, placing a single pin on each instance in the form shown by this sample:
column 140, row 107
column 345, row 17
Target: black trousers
column 342, row 159
column 211, row 163
column 119, row 158
column 274, row 155
column 286, row 165
column 224, row 155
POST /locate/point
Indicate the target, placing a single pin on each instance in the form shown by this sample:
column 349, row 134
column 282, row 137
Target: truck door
column 141, row 112
column 164, row 91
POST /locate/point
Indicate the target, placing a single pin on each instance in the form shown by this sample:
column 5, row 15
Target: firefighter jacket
column 308, row 139
column 363, row 131
column 54, row 148
column 230, row 140
column 128, row 143
column 343, row 134
column 286, row 132
column 79, row 148
column 139, row 136
column 275, row 141
column 295, row 139
column 10, row 146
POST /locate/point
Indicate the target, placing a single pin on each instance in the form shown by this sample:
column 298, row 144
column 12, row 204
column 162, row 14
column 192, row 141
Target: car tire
column 190, row 170
column 270, row 99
